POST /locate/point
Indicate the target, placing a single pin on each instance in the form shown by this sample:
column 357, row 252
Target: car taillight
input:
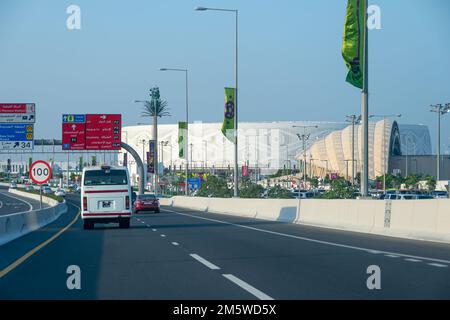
column 84, row 204
column 127, row 202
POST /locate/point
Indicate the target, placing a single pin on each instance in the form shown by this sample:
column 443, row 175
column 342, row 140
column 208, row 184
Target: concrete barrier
column 15, row 225
column 412, row 219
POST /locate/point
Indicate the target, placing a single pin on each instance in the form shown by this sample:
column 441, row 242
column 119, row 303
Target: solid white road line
column 392, row 256
column 244, row 285
column 439, row 265
column 413, row 260
column 368, row 250
column 24, row 201
column 204, row 261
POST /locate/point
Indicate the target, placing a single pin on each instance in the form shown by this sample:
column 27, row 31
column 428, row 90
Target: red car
column 146, row 202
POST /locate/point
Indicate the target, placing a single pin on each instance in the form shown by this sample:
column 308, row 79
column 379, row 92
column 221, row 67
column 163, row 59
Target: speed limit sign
column 40, row 172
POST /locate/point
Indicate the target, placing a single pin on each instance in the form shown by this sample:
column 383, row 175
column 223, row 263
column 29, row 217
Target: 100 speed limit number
column 40, row 172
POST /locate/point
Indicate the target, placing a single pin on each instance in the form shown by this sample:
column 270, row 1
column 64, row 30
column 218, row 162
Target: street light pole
column 304, row 138
column 186, row 71
column 354, row 120
column 440, row 110
column 236, row 168
column 326, row 167
column 206, row 154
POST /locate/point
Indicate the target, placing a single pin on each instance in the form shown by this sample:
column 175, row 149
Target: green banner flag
column 228, row 121
column 353, row 41
column 182, row 134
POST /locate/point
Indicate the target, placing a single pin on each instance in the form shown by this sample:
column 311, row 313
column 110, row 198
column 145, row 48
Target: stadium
column 270, row 146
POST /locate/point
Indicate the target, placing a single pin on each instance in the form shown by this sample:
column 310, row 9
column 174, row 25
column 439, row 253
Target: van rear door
column 106, row 190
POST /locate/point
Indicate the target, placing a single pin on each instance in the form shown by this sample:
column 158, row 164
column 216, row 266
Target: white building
column 274, row 145
column 333, row 153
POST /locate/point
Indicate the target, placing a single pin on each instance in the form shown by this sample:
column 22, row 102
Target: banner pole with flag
column 365, row 109
column 356, row 55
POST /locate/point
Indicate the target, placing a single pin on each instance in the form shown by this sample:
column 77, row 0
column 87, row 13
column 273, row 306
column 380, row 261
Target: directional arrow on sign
column 74, row 127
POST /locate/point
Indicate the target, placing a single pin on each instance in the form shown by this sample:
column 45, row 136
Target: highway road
column 11, row 203
column 184, row 254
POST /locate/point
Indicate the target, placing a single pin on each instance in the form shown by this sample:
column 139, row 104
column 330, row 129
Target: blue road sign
column 16, row 136
column 194, row 183
column 74, row 118
column 16, row 132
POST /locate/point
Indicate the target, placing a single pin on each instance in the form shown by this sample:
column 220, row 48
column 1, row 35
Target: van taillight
column 84, row 204
column 127, row 202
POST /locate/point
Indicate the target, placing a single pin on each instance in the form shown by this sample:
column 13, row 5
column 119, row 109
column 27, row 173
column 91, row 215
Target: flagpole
column 365, row 112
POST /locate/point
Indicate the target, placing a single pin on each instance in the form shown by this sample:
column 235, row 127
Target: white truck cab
column 105, row 196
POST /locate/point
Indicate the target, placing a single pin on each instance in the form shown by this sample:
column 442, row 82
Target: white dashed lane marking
column 204, row 261
column 244, row 285
column 175, row 243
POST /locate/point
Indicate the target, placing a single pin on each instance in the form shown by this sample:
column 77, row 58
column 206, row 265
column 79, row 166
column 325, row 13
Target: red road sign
column 40, row 172
column 17, row 108
column 103, row 131
column 73, row 136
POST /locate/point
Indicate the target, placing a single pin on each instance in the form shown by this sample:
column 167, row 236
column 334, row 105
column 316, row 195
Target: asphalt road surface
column 11, row 203
column 184, row 254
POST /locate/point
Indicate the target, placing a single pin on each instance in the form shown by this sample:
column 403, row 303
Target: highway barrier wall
column 412, row 219
column 15, row 225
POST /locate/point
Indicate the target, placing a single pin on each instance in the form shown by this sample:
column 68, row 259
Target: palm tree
column 155, row 108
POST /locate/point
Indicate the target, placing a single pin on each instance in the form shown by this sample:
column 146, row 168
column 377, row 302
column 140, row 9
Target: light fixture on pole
column 236, row 168
column 441, row 110
column 186, row 71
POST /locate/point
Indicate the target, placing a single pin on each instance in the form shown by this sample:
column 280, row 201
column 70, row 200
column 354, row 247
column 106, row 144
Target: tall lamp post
column 385, row 116
column 304, row 138
column 205, row 142
column 236, row 168
column 186, row 71
column 354, row 121
column 441, row 110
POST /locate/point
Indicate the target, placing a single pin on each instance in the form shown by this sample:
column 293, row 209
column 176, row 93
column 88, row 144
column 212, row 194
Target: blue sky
column 290, row 62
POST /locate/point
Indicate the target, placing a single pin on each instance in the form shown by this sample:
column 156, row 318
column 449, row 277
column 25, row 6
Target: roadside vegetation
column 48, row 195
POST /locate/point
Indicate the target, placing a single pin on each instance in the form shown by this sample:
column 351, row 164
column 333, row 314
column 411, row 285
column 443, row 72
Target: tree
column 277, row 192
column 250, row 190
column 215, row 187
column 314, row 182
column 431, row 183
column 156, row 107
column 340, row 189
column 412, row 181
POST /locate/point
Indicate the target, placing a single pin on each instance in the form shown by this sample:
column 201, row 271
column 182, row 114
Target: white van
column 105, row 196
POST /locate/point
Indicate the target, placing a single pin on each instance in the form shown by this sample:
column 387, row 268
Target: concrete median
column 15, row 225
column 412, row 219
